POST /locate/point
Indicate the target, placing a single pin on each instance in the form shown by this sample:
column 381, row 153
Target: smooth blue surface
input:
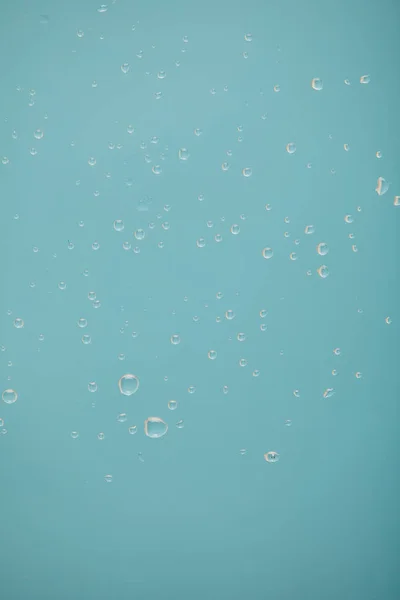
column 188, row 515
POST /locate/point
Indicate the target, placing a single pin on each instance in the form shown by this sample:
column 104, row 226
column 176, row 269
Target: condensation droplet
column 128, row 384
column 9, row 396
column 271, row 456
column 317, row 84
column 154, row 427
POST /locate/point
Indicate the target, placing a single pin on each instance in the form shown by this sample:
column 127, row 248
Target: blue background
column 187, row 515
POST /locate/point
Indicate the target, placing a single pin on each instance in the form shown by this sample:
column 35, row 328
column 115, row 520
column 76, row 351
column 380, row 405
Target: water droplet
column 277, row 88
column 396, row 201
column 119, row 225
column 212, row 354
column 38, row 134
column 271, row 456
column 293, row 256
column 322, row 249
column 218, row 237
column 263, row 327
column 74, row 435
column 122, row 418
column 225, row 166
column 358, row 375
column 296, row 393
column 183, row 154
column 9, row 396
column 128, row 384
column 132, row 430
column 382, row 186
column 288, row 423
column 317, row 84
column 172, row 405
column 329, row 392
column 100, row 436
column 256, row 373
column 18, row 323
column 243, row 362
column 154, row 427
column 198, row 132
column 267, row 253
column 175, row 339
column 86, row 339
column 95, row 246
column 309, row 229
column 62, row 285
column 235, row 229
column 108, row 478
column 92, row 161
column 80, row 33
column 323, row 271
column 156, row 169
column 388, row 320
column 191, row 389
column 201, row 242
column 247, row 172
column 291, row 148
column 229, row 314
column 365, row 79
column 180, row 424
column 378, row 154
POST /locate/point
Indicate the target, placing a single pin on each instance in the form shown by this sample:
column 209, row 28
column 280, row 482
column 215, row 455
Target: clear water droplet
column 9, row 396
column 317, row 84
column 267, row 253
column 128, row 384
column 271, row 456
column 154, row 427
column 382, row 186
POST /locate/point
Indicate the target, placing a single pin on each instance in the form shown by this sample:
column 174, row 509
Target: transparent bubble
column 218, row 237
column 125, row 67
column 291, row 148
column 128, row 384
column 256, row 373
column 201, row 242
column 293, row 256
column 119, row 225
column 329, row 392
column 337, row 351
column 139, row 234
column 18, row 323
column 347, row 82
column 96, row 304
column 108, row 478
column 241, row 337
column 80, row 33
column 358, row 375
column 243, row 362
column 334, row 372
column 288, row 423
column 121, row 356
column 86, row 339
column 267, row 253
column 277, row 88
column 365, row 79
column 263, row 313
column 212, row 354
column 62, row 285
column 100, row 436
column 317, row 84
column 74, row 434
column 191, row 389
column 154, row 427
column 9, row 396
column 92, row 296
column 122, row 417
column 130, row 129
column 172, row 405
column 132, row 429
column 156, row 169
column 126, row 245
column 235, row 229
column 183, row 154
column 38, row 134
column 229, row 314
column 175, row 339
column 161, row 74
column 322, row 249
column 92, row 386
column 247, row 172
column 95, row 246
column 323, row 271
column 309, row 229
column 382, row 186
column 271, row 456
column 263, row 327
column 70, row 246
column 225, row 166
column 198, row 132
column 92, row 161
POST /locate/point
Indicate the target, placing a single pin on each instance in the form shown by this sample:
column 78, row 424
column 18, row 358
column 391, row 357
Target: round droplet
column 247, row 172
column 256, row 373
column 267, row 253
column 317, row 84
column 122, row 418
column 225, row 166
column 172, row 405
column 132, row 430
column 378, row 154
column 309, row 229
column 82, row 322
column 92, row 386
column 243, row 362
column 9, row 396
column 108, row 478
column 198, row 132
column 119, row 225
column 62, row 285
column 323, row 271
column 229, row 314
column 358, row 375
column 277, row 88
column 382, row 186
column 100, row 436
column 296, row 393
column 288, row 423
column 263, row 327
column 92, row 161
column 161, row 74
column 365, row 79
column 175, row 339
column 329, row 392
column 291, row 148
column 74, row 435
column 86, row 339
column 235, row 229
column 293, row 256
column 180, row 424
column 38, row 134
column 18, row 323
column 322, row 249
column 183, row 154
column 139, row 234
column 271, row 456
column 212, row 354
column 191, row 389
column 337, row 351
column 388, row 320
column 156, row 169
column 125, row 67
column 201, row 242
column 128, row 384
column 154, row 427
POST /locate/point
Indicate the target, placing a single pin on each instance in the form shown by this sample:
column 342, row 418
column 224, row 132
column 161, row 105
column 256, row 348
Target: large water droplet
column 128, row 384
column 9, row 396
column 382, row 186
column 271, row 456
column 154, row 427
column 317, row 84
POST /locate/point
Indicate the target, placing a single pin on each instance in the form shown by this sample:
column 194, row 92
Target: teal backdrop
column 175, row 118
